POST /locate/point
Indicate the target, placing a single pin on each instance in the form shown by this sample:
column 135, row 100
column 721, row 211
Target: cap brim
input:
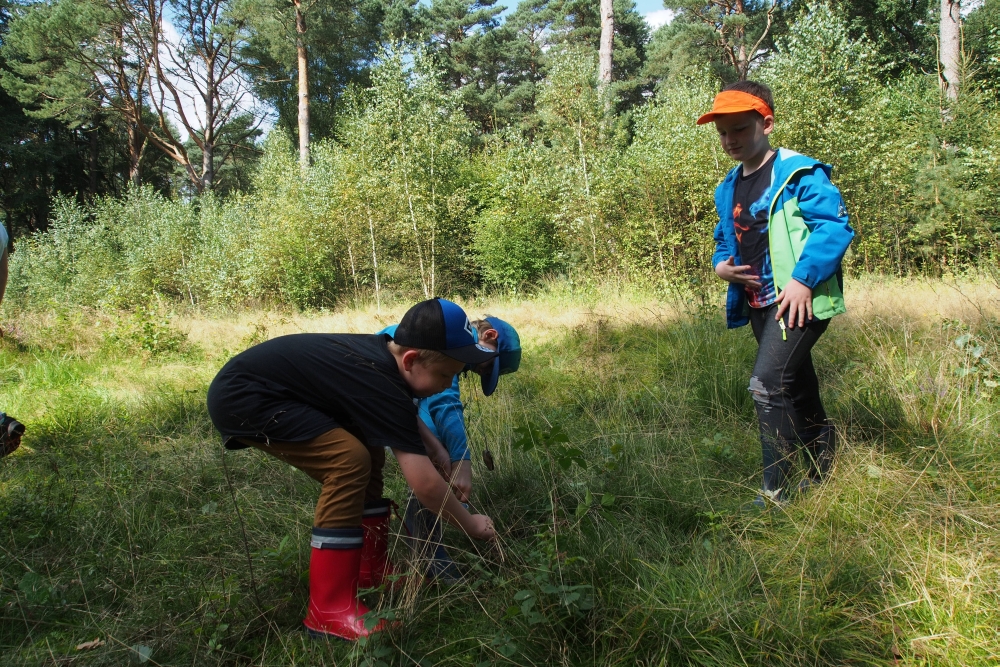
column 470, row 354
column 707, row 118
column 490, row 381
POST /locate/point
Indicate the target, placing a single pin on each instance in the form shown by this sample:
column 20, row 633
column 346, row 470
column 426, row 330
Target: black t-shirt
column 750, row 216
column 294, row 388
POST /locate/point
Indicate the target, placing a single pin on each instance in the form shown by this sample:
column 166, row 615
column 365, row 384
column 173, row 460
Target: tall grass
column 119, row 522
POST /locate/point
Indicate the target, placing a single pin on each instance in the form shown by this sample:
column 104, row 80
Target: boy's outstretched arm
column 434, row 493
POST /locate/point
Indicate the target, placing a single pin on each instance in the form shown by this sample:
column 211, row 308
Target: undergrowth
column 625, row 451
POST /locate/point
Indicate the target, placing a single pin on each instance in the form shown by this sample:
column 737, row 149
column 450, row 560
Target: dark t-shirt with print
column 751, row 205
column 294, row 388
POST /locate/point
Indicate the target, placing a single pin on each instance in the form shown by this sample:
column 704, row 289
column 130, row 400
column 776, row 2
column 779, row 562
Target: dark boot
column 425, row 540
column 334, row 607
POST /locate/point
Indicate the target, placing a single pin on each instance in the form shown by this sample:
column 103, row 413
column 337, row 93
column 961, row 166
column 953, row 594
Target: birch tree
column 950, row 40
column 607, row 42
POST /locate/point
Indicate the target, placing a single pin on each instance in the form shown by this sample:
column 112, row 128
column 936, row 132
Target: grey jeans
column 785, row 391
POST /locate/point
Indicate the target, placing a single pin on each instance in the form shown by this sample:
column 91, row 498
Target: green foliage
column 551, row 442
column 340, row 39
column 149, row 330
column 726, row 38
column 408, row 199
column 900, row 30
column 53, row 51
column 919, row 187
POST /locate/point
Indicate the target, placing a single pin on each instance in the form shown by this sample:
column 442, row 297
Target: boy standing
column 781, row 237
column 329, row 404
column 443, row 414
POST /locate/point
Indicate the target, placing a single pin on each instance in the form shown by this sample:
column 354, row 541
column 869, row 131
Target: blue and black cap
column 509, row 354
column 440, row 325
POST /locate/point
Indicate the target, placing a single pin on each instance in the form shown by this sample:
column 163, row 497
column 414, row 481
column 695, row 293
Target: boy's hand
column 796, row 298
column 481, row 527
column 461, row 479
column 731, row 273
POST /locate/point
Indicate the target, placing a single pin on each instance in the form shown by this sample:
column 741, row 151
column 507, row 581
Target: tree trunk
column 607, row 42
column 94, row 159
column 300, row 46
column 951, row 47
column 136, row 140
column 207, row 168
column 739, row 36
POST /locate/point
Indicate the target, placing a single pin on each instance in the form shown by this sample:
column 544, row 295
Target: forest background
column 444, row 147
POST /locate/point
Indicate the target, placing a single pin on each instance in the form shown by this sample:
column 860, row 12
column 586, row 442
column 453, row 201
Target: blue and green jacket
column 808, row 234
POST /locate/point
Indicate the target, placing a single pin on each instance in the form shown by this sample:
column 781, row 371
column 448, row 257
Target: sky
column 653, row 12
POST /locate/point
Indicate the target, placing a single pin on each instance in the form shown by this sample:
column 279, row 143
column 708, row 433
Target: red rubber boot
column 334, row 607
column 375, row 563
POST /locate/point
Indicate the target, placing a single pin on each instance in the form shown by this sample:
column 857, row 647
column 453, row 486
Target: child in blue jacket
column 444, row 416
column 781, row 237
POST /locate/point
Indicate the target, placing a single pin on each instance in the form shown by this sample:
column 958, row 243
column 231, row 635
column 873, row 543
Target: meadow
column 625, row 450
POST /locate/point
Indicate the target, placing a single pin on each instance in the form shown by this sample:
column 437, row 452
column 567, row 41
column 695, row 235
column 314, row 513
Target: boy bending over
column 443, row 414
column 329, row 404
column 781, row 236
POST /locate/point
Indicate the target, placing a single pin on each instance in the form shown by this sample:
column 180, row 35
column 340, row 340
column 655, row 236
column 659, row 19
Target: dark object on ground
column 425, row 540
column 11, row 431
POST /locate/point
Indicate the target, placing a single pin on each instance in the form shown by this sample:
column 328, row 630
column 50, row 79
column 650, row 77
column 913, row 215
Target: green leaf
column 523, row 595
column 34, row 587
column 557, row 435
column 607, row 501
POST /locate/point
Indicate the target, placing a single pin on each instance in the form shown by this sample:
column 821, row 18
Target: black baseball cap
column 441, row 325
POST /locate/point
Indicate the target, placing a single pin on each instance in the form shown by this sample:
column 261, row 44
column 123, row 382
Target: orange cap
column 735, row 101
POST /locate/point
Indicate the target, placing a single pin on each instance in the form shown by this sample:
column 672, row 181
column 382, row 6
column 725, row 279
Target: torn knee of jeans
column 760, row 393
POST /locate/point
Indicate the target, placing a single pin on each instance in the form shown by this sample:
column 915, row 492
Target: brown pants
column 350, row 473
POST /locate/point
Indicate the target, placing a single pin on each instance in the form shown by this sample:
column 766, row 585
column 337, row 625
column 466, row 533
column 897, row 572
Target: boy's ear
column 410, row 358
column 490, row 335
column 768, row 125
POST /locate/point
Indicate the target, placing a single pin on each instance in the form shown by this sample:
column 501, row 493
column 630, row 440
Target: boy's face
column 744, row 135
column 429, row 379
column 487, row 339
